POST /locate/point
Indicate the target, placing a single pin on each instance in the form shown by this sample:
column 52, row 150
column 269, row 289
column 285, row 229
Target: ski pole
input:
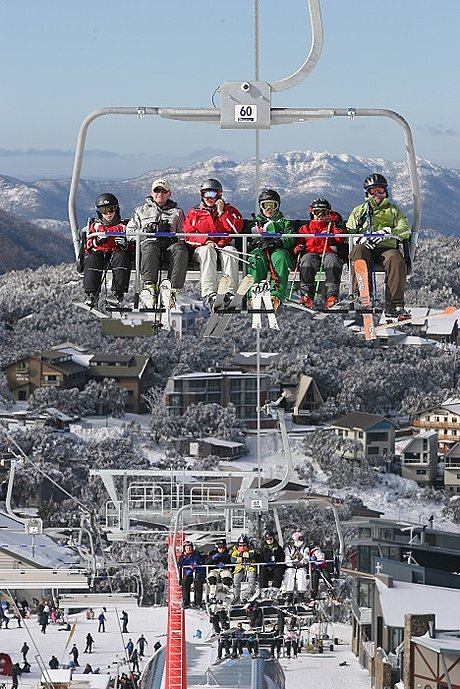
column 272, row 269
column 321, row 267
column 236, row 258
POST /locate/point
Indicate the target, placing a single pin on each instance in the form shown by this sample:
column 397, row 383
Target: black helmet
column 211, row 184
column 269, row 534
column 187, row 543
column 376, row 179
column 106, row 200
column 319, row 203
column 221, row 541
column 269, row 195
column 243, row 540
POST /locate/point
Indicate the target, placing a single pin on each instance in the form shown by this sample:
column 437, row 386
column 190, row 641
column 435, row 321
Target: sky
column 61, row 61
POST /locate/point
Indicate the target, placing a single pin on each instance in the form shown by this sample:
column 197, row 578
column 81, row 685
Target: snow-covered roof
column 38, row 549
column 442, row 643
column 359, row 419
column 403, row 597
column 222, row 443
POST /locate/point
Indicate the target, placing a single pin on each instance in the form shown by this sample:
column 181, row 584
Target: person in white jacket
column 297, row 557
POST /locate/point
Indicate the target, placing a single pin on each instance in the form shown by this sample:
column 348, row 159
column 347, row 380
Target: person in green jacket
column 380, row 218
column 272, row 254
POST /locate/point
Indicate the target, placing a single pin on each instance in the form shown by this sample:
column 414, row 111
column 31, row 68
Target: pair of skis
column 262, row 303
column 162, row 306
column 222, row 310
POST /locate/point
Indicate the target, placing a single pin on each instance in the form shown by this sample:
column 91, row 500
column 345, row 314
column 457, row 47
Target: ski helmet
column 104, row 200
column 319, row 203
column 187, row 544
column 213, row 184
column 269, row 534
column 375, row 179
column 243, row 540
column 269, row 195
column 221, row 542
column 297, row 536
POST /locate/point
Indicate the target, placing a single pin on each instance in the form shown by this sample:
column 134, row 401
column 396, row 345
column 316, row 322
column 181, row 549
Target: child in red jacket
column 320, row 253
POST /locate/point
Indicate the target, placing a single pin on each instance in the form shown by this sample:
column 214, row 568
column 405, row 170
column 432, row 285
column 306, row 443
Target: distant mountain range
column 299, row 176
column 24, row 245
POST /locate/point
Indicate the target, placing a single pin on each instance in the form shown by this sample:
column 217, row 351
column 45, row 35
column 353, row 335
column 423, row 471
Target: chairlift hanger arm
column 316, row 48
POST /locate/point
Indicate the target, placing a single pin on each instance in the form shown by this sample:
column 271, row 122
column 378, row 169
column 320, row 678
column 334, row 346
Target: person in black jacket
column 219, row 558
column 255, row 615
column 272, row 559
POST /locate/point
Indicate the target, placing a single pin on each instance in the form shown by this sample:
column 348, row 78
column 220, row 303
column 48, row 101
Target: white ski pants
column 207, row 258
column 292, row 576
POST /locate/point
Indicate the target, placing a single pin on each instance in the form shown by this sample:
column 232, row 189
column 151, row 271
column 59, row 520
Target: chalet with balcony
column 133, row 372
column 42, row 369
column 417, row 553
column 374, row 435
column 73, row 368
column 419, row 459
column 452, row 470
column 393, row 620
column 445, row 419
column 223, row 388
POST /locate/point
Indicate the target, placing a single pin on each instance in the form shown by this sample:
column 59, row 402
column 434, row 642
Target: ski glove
column 298, row 249
column 100, row 241
column 121, row 242
column 373, row 242
column 220, row 206
column 270, row 243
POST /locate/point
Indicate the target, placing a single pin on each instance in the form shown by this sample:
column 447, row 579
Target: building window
column 372, row 450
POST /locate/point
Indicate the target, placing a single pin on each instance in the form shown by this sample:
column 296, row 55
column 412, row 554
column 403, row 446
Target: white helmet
column 297, row 536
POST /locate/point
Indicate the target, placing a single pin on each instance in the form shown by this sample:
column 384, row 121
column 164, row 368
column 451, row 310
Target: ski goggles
column 269, row 205
column 209, row 194
column 107, row 209
column 379, row 190
column 320, row 212
column 160, row 190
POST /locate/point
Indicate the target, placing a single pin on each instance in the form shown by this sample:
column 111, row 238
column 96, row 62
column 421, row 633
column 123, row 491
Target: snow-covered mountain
column 299, row 176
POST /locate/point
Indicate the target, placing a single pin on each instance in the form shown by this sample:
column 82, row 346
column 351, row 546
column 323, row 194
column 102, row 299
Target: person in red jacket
column 318, row 253
column 106, row 247
column 213, row 215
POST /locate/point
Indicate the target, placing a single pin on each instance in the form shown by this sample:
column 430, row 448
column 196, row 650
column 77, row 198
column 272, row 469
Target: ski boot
column 91, row 300
column 149, row 295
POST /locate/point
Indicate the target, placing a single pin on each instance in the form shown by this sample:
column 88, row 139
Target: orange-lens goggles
column 108, row 209
column 376, row 190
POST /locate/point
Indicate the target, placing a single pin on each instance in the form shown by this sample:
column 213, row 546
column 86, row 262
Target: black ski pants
column 310, row 265
column 321, row 573
column 119, row 262
column 271, row 573
column 187, row 581
column 152, row 254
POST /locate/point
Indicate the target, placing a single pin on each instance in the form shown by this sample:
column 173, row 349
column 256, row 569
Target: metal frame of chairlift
column 257, row 93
